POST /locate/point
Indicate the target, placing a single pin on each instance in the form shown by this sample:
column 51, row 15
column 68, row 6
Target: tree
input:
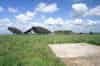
column 91, row 33
column 63, row 32
column 38, row 30
column 14, row 30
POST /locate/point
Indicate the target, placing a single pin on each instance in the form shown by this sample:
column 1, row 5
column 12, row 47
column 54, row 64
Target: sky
column 75, row 15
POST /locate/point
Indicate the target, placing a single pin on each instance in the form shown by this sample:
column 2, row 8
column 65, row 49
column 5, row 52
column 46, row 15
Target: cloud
column 81, row 25
column 12, row 10
column 82, row 22
column 1, row 9
column 94, row 11
column 5, row 22
column 25, row 17
column 92, row 23
column 47, row 8
column 54, row 21
column 80, row 8
column 77, row 22
column 76, row 25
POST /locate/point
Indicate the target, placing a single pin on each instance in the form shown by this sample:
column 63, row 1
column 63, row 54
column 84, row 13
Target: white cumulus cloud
column 81, row 25
column 25, row 17
column 47, row 8
column 78, row 22
column 82, row 22
column 94, row 11
column 80, row 8
column 54, row 21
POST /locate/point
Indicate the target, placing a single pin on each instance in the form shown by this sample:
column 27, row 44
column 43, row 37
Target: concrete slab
column 75, row 50
column 77, row 54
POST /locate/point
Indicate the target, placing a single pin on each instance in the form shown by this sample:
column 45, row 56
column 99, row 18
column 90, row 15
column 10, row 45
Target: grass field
column 32, row 50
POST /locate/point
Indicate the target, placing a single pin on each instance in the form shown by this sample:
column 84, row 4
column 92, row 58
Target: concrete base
column 77, row 54
column 84, row 61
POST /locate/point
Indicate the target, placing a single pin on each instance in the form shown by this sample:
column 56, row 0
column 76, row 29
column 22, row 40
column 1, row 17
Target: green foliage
column 15, row 30
column 91, row 33
column 32, row 50
column 63, row 32
column 38, row 30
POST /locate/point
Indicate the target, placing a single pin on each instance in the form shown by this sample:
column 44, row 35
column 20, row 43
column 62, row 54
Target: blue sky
column 75, row 15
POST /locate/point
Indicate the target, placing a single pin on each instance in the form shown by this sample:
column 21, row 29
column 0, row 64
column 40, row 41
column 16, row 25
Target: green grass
column 32, row 50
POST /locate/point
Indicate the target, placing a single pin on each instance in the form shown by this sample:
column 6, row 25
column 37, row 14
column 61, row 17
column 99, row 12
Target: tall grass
column 32, row 50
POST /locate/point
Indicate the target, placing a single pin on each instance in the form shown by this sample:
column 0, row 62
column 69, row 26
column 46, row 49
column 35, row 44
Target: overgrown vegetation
column 36, row 30
column 32, row 50
column 63, row 32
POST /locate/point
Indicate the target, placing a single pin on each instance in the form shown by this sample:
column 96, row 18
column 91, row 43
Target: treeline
column 32, row 30
column 42, row 30
column 63, row 32
column 71, row 32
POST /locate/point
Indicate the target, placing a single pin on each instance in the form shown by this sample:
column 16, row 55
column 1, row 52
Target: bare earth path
column 77, row 54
